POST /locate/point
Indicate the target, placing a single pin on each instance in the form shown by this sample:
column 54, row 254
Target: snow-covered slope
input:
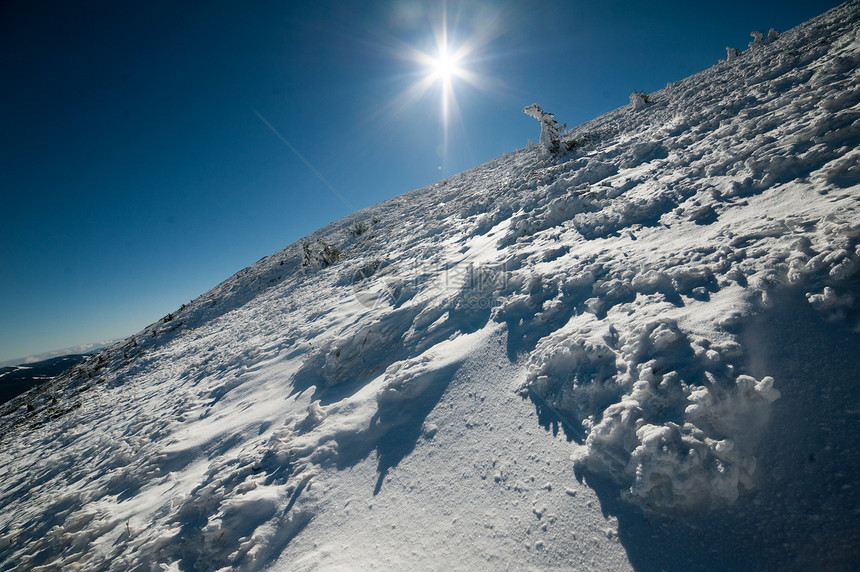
column 640, row 353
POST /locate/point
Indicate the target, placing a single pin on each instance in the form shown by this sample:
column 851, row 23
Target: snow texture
column 673, row 292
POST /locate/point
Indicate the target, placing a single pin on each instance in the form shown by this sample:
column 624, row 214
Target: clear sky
column 152, row 149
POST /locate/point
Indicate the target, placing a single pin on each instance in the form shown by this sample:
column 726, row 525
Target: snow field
column 547, row 361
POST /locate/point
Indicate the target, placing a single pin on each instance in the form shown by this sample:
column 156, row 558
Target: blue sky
column 140, row 164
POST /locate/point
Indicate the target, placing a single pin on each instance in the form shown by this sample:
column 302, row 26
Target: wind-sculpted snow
column 666, row 406
column 664, row 416
column 621, row 286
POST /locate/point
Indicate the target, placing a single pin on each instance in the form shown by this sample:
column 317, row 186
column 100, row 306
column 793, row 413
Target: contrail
column 305, row 161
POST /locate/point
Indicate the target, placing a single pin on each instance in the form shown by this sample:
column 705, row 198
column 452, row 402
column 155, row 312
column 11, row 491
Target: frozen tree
column 772, row 35
column 549, row 128
column 732, row 53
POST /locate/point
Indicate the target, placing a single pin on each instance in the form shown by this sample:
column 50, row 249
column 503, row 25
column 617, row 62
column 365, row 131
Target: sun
column 449, row 66
column 445, row 66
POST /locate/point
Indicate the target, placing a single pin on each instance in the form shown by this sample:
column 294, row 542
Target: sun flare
column 445, row 66
column 449, row 61
column 442, row 69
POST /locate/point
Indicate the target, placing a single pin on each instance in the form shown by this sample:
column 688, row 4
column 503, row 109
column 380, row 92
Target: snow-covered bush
column 731, row 53
column 639, row 100
column 325, row 256
column 760, row 40
column 549, row 128
column 357, row 229
column 307, row 254
column 757, row 39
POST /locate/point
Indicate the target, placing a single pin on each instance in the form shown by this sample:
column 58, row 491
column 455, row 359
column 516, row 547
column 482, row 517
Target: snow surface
column 641, row 353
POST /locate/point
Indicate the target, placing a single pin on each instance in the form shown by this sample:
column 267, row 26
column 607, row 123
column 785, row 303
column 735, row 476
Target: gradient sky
column 140, row 161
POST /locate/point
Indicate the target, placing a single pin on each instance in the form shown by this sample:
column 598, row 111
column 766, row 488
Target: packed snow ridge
column 618, row 268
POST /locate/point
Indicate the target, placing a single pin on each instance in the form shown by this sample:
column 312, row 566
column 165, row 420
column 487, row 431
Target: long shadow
column 552, row 420
column 400, row 440
column 464, row 320
column 805, row 511
column 810, row 453
column 395, row 428
column 524, row 331
column 704, row 541
column 397, row 425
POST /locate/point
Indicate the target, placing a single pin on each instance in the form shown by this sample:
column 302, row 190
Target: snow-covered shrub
column 757, row 39
column 760, row 40
column 325, row 256
column 329, row 254
column 358, row 229
column 639, row 100
column 549, row 128
column 731, row 53
column 572, row 144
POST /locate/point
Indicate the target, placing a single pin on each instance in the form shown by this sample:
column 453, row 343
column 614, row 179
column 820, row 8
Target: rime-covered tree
column 549, row 128
column 757, row 37
column 732, row 53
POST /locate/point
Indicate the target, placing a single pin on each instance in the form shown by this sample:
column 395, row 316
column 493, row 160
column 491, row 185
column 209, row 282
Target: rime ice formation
column 673, row 294
column 549, row 127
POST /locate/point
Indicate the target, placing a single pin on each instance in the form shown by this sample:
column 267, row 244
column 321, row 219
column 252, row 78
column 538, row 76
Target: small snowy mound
column 664, row 416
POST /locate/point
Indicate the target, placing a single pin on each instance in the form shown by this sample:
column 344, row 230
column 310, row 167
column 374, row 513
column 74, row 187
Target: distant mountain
column 633, row 347
column 15, row 380
column 82, row 349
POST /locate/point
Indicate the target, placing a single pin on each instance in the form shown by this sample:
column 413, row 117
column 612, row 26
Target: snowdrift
column 673, row 297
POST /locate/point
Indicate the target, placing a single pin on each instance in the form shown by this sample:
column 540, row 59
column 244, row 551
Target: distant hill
column 16, row 379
